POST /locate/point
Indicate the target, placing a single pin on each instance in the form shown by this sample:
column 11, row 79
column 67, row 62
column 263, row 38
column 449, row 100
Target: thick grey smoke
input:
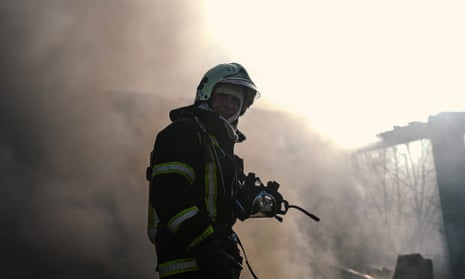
column 353, row 232
column 313, row 174
column 73, row 148
column 74, row 143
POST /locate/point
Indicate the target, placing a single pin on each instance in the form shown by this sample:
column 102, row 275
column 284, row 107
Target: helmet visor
column 240, row 81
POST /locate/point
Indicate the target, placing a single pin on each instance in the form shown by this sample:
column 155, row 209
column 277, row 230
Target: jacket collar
column 211, row 119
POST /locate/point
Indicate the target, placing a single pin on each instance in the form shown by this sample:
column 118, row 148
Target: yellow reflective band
column 175, row 222
column 211, row 189
column 174, row 167
column 214, row 141
column 177, row 266
column 202, row 236
column 152, row 223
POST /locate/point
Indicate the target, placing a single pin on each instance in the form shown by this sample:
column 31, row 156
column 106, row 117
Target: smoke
column 74, row 139
column 354, row 232
column 313, row 174
column 85, row 86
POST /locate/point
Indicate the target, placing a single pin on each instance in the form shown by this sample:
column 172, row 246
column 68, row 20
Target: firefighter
column 197, row 184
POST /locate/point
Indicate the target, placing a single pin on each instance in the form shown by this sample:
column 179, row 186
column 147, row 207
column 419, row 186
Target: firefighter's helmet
column 232, row 73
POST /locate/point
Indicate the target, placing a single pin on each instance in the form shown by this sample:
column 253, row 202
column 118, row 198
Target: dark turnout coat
column 193, row 177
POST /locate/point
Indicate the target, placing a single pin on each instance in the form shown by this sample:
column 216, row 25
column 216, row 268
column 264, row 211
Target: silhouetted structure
column 413, row 266
column 446, row 132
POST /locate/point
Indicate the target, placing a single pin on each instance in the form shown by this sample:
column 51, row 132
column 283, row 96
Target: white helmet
column 233, row 73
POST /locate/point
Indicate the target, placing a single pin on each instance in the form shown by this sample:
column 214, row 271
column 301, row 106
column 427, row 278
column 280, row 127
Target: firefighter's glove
column 215, row 261
column 249, row 189
column 272, row 189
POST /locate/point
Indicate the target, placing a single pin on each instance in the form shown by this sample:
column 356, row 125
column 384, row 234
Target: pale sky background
column 352, row 68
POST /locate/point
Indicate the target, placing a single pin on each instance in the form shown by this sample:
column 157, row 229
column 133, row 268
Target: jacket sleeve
column 176, row 161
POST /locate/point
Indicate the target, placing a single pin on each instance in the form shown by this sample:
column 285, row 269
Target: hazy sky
column 353, row 68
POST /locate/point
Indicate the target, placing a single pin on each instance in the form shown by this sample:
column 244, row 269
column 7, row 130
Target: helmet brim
column 239, row 81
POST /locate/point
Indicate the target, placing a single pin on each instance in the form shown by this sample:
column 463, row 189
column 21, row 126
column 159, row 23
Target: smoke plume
column 74, row 138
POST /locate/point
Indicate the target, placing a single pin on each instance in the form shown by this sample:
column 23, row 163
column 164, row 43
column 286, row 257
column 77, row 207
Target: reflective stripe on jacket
column 177, row 266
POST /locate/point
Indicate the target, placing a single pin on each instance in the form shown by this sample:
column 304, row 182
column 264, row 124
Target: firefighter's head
column 228, row 89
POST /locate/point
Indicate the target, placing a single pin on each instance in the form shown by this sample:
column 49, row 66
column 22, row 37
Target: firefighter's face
column 227, row 99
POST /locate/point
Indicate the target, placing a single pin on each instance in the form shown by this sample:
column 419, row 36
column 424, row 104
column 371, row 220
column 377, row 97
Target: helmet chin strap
column 233, row 118
column 231, row 130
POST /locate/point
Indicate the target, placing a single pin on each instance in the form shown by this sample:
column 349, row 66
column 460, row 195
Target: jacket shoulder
column 183, row 125
column 181, row 131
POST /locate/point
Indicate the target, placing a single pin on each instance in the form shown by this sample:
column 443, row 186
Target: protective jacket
column 194, row 178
